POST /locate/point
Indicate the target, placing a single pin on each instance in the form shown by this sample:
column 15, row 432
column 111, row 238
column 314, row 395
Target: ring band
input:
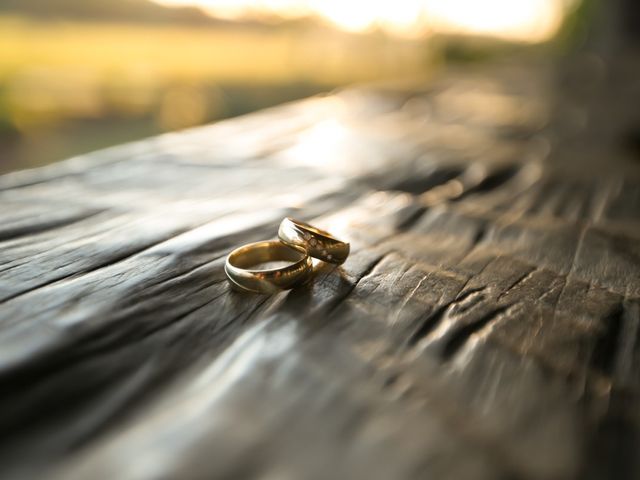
column 317, row 243
column 239, row 262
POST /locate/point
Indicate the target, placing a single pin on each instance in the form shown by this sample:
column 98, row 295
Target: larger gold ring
column 239, row 263
column 317, row 243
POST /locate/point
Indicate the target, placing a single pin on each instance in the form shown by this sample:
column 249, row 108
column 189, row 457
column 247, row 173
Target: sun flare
column 521, row 20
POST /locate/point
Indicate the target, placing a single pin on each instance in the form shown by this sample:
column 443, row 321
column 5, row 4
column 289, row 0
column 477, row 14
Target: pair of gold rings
column 298, row 243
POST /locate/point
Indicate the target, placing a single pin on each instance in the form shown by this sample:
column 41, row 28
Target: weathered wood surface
column 485, row 326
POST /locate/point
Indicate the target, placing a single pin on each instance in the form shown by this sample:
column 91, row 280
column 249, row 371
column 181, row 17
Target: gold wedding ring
column 299, row 242
column 238, row 267
column 317, row 243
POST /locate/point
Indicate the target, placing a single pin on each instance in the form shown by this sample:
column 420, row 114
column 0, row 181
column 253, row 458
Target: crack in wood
column 603, row 355
column 414, row 218
column 435, row 317
column 522, row 278
column 428, row 324
column 462, row 334
column 365, row 273
column 33, row 229
column 493, row 180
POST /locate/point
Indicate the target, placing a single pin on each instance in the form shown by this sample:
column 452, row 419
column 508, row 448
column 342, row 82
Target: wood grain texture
column 485, row 326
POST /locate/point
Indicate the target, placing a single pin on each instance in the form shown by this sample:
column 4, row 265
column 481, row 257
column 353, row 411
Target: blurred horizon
column 76, row 76
column 525, row 20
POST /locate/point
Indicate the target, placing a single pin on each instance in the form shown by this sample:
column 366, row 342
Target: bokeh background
column 78, row 75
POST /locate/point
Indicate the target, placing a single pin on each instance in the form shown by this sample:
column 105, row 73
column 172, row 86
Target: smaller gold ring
column 317, row 243
column 239, row 262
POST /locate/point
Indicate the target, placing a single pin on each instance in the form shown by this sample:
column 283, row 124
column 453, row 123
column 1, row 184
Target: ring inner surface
column 254, row 255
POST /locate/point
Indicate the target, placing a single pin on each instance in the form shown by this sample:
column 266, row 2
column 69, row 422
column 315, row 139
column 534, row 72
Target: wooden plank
column 486, row 324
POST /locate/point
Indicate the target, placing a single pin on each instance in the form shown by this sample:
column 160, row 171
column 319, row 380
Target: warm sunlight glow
column 520, row 20
column 525, row 20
